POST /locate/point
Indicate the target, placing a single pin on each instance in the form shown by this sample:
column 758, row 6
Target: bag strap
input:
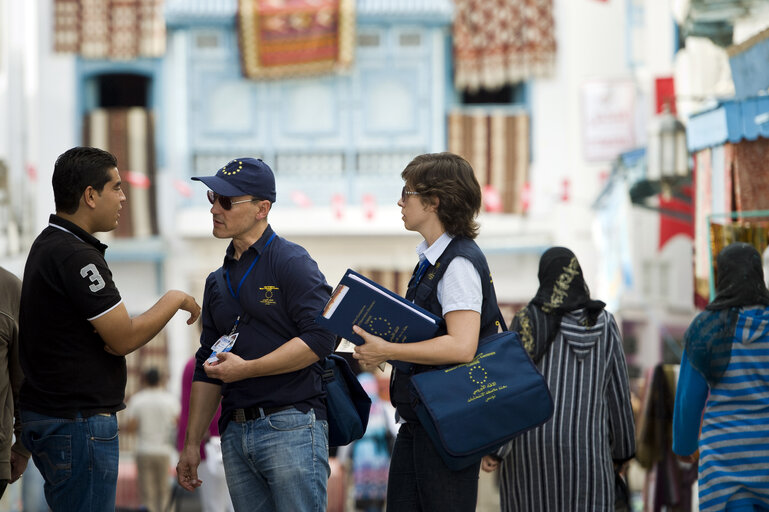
column 224, row 291
column 501, row 319
column 430, row 285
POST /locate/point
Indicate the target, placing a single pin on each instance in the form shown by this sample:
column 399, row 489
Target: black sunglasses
column 406, row 193
column 224, row 201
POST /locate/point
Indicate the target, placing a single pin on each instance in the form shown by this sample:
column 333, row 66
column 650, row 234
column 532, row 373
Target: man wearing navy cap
column 266, row 296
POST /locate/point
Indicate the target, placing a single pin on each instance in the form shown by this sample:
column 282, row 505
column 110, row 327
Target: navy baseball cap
column 242, row 177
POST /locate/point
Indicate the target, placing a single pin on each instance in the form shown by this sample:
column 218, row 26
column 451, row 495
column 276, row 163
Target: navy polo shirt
column 67, row 283
column 283, row 294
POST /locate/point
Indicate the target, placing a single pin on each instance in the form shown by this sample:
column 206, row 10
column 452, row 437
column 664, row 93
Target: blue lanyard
column 236, row 294
column 421, row 270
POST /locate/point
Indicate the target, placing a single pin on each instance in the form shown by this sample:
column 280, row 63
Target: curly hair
column 75, row 170
column 451, row 179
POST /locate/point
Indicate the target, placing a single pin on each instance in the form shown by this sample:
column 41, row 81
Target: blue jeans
column 277, row 462
column 419, row 481
column 78, row 459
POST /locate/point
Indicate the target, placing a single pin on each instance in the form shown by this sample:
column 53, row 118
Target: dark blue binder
column 358, row 300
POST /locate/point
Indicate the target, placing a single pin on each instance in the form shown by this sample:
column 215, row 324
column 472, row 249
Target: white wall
column 52, row 123
column 591, row 45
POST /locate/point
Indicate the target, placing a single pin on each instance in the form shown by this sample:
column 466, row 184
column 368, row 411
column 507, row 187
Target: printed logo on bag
column 268, row 294
column 483, row 390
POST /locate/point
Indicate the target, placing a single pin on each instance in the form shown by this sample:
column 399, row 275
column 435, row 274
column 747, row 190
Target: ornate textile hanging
column 110, row 29
column 496, row 143
column 729, row 180
column 500, row 42
column 282, row 38
column 128, row 133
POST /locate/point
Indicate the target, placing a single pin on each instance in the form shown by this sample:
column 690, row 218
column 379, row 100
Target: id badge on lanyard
column 224, row 344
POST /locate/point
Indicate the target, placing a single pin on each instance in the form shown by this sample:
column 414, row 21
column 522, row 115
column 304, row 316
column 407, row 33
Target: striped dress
column 567, row 463
column 734, row 442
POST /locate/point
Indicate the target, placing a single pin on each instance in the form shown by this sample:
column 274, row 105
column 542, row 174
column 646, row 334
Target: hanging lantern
column 668, row 162
column 674, row 156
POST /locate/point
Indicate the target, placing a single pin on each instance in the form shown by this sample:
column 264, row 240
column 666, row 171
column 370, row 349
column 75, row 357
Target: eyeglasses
column 406, row 193
column 224, row 201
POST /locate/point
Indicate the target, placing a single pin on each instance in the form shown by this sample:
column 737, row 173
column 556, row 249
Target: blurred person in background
column 74, row 334
column 153, row 414
column 577, row 347
column 32, row 493
column 214, row 496
column 721, row 411
column 371, row 453
column 13, row 455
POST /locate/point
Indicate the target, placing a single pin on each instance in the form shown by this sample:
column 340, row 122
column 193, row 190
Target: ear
column 434, row 202
column 264, row 209
column 89, row 196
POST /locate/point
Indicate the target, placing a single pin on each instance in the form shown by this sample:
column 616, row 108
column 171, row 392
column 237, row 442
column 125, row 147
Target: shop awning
column 730, row 121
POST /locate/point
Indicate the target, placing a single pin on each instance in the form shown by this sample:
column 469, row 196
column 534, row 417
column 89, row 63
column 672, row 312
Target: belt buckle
column 239, row 416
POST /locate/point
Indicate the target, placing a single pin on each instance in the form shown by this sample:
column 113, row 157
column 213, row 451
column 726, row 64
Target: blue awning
column 181, row 12
column 730, row 121
column 425, row 11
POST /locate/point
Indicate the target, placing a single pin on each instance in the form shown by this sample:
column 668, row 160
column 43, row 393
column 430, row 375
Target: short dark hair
column 152, row 377
column 75, row 170
column 451, row 179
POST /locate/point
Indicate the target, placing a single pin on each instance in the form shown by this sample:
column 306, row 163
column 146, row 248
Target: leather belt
column 252, row 413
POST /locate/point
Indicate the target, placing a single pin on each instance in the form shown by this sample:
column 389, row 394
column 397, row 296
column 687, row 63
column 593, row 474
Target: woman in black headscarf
column 562, row 289
column 576, row 345
column 725, row 373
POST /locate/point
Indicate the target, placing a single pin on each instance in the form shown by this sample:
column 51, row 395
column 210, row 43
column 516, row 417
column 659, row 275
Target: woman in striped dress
column 725, row 372
column 568, row 463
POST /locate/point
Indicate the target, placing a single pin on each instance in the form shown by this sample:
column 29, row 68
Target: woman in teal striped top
column 725, row 373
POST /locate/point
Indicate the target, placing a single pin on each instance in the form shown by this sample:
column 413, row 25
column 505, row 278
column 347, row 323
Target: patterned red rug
column 281, row 38
column 110, row 29
column 499, row 42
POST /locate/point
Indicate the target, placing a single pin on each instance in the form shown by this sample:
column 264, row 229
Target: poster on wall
column 608, row 119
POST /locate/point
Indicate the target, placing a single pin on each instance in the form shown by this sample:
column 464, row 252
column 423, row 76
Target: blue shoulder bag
column 470, row 410
column 347, row 403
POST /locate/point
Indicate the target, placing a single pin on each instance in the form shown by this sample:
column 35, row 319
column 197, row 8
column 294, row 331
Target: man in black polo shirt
column 269, row 291
column 74, row 332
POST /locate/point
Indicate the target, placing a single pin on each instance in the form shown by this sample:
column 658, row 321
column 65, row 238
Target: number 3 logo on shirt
column 93, row 274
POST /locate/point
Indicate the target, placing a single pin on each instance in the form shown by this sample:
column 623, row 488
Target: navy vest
column 425, row 294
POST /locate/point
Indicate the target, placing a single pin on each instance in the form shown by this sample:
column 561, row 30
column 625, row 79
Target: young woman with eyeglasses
column 440, row 200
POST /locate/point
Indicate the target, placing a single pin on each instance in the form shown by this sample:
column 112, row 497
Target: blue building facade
column 342, row 136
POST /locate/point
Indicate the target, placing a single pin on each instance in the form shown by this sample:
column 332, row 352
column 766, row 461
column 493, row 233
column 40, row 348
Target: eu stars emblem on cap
column 242, row 177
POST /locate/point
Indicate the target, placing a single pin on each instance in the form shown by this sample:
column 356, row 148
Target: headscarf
column 740, row 278
column 562, row 289
column 740, row 282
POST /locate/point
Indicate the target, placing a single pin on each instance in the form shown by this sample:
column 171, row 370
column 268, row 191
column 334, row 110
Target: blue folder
column 360, row 301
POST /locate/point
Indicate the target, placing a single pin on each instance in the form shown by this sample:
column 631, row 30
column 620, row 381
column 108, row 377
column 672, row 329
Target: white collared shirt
column 460, row 287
